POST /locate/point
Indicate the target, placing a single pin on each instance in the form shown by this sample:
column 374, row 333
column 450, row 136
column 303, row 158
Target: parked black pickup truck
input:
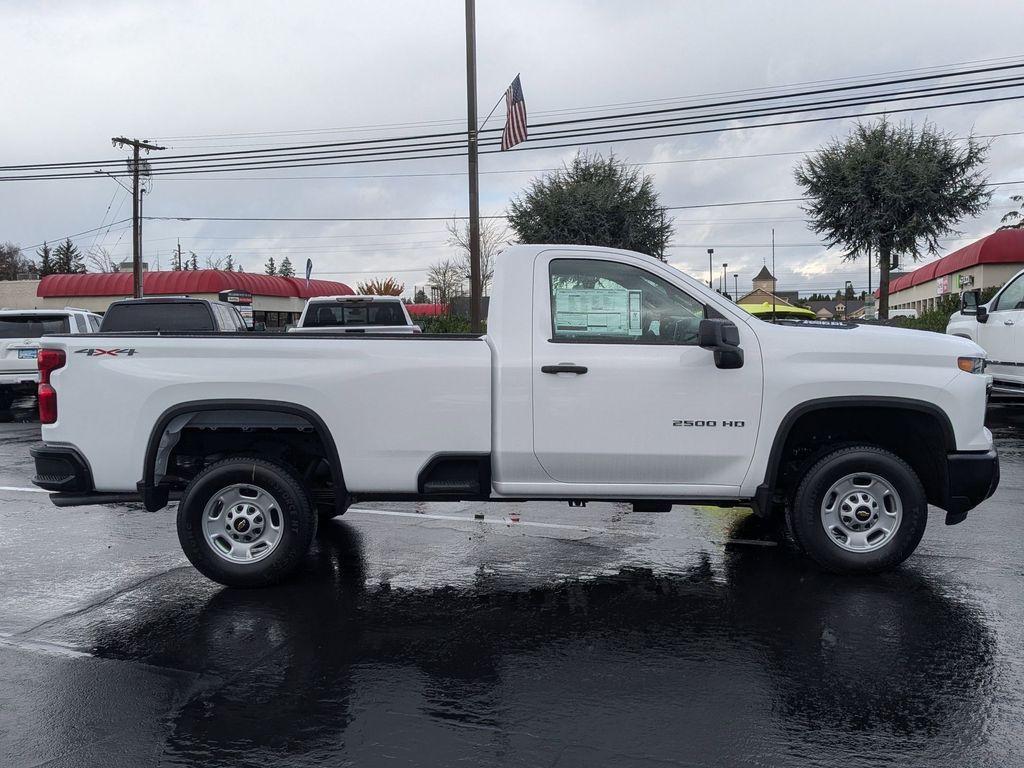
column 172, row 313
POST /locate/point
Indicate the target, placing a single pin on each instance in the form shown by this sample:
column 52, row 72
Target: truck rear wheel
column 246, row 522
column 859, row 509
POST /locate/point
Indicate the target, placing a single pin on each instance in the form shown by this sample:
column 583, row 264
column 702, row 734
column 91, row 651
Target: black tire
column 805, row 513
column 6, row 399
column 298, row 525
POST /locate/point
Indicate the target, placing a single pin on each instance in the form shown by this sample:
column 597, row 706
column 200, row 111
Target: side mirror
column 970, row 305
column 723, row 338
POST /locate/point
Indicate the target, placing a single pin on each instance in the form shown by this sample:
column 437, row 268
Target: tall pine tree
column 67, row 259
column 45, row 255
column 286, row 269
column 270, row 267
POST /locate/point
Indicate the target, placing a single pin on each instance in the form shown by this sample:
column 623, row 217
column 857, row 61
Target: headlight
column 971, row 364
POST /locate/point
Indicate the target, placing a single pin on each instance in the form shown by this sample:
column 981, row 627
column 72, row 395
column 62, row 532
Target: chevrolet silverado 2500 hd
column 604, row 375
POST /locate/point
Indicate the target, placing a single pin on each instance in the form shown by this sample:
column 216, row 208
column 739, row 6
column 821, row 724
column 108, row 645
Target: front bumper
column 971, row 478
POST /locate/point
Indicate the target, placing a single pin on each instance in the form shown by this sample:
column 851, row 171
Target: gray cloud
column 79, row 73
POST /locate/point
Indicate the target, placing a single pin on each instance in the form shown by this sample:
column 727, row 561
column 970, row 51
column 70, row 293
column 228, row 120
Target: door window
column 607, row 302
column 1012, row 296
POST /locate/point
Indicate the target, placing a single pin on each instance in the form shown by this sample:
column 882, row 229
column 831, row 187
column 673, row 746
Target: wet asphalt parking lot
column 417, row 635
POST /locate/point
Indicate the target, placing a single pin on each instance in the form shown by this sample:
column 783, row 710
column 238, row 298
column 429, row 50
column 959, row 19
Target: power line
column 454, row 141
column 348, row 159
column 77, row 234
column 951, row 68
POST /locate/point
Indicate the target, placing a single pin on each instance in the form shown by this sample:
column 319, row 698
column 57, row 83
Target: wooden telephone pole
column 136, row 145
column 474, row 176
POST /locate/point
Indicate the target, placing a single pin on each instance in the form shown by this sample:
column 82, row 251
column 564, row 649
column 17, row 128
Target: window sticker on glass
column 598, row 312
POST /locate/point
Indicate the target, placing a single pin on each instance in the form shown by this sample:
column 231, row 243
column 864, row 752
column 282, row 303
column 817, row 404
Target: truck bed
column 407, row 397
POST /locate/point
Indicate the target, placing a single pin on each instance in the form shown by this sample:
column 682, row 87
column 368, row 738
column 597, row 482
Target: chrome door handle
column 1007, row 322
column 564, row 368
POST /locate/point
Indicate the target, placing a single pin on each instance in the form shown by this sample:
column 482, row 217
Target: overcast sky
column 78, row 73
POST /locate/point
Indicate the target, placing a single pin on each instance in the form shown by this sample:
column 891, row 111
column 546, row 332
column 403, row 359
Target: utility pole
column 736, row 287
column 725, row 281
column 136, row 145
column 474, row 174
column 711, row 267
column 178, row 262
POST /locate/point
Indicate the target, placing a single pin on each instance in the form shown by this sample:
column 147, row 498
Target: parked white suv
column 998, row 327
column 355, row 314
column 20, row 331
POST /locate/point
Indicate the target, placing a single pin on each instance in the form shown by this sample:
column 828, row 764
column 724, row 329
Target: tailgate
column 18, row 359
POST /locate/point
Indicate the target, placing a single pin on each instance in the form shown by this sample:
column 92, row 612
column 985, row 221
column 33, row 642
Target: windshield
column 350, row 314
column 32, row 326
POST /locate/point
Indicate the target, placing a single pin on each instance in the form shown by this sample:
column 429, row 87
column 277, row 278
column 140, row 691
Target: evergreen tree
column 270, row 267
column 286, row 270
column 67, row 259
column 593, row 201
column 45, row 260
column 229, row 265
column 889, row 191
column 193, row 262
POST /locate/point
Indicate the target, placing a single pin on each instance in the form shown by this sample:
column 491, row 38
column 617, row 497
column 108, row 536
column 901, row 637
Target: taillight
column 48, row 360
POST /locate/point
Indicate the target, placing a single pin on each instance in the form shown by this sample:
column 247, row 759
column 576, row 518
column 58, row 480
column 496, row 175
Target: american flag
column 515, row 119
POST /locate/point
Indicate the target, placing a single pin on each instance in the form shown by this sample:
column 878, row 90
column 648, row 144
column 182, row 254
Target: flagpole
column 500, row 99
column 474, row 174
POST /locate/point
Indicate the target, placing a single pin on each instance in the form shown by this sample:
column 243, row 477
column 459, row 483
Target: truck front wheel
column 859, row 509
column 246, row 522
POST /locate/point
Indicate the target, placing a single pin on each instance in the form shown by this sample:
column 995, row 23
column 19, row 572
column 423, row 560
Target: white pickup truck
column 355, row 314
column 604, row 375
column 998, row 327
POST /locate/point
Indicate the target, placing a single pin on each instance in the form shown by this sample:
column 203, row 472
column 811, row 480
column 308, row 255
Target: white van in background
column 998, row 327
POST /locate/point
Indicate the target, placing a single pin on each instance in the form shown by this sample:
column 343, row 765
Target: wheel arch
column 874, row 405
column 156, row 497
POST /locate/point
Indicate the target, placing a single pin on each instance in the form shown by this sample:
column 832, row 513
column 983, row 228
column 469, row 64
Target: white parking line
column 43, row 646
column 506, row 521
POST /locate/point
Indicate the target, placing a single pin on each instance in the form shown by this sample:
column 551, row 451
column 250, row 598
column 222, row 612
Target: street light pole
column 711, row 267
column 735, row 287
column 725, row 281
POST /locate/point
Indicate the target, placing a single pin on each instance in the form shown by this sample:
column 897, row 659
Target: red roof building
column 426, row 310
column 276, row 301
column 988, row 262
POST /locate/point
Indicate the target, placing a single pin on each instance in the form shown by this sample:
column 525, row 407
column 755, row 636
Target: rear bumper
column 61, row 469
column 972, row 477
column 20, row 379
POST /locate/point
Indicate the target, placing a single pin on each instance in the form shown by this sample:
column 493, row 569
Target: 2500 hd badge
column 708, row 423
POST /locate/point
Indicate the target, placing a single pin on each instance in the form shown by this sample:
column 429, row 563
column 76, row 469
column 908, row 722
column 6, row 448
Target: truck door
column 622, row 394
column 1002, row 337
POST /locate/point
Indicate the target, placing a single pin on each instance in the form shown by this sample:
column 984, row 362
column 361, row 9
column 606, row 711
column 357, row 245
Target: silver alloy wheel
column 242, row 523
column 861, row 512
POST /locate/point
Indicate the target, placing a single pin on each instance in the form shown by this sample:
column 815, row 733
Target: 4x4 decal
column 99, row 352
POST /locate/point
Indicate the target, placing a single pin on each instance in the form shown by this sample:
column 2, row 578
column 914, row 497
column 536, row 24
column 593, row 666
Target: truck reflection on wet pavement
column 687, row 638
